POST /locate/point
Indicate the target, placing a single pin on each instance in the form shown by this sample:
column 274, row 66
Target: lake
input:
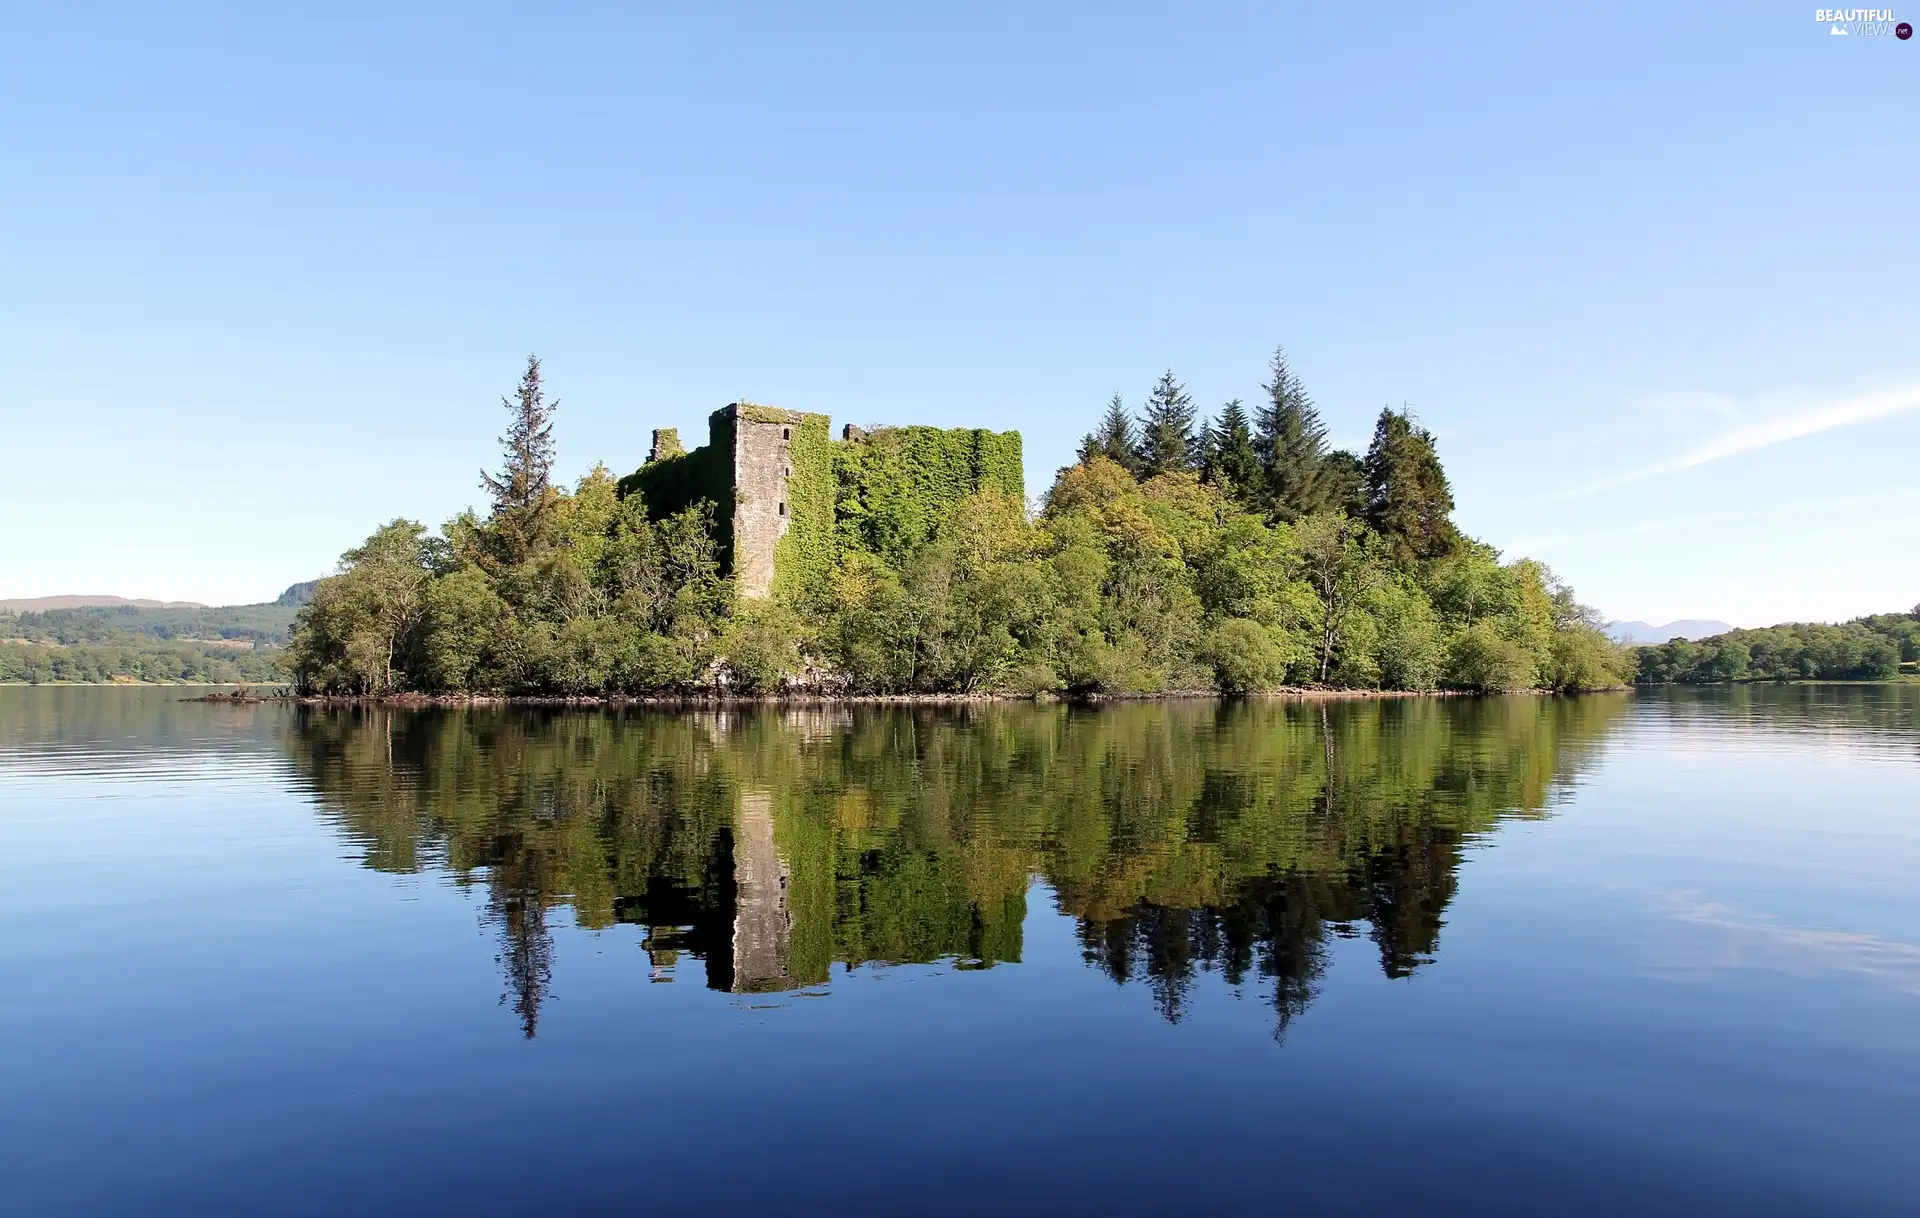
column 1651, row 954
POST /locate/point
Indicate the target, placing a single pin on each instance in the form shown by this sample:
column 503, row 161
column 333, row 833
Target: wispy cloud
column 1762, row 941
column 1750, row 437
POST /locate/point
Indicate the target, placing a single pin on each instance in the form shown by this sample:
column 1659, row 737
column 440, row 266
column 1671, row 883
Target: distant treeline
column 1865, row 649
column 1235, row 553
column 102, row 663
column 261, row 625
column 109, row 643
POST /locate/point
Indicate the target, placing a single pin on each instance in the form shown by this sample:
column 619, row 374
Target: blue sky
column 1648, row 271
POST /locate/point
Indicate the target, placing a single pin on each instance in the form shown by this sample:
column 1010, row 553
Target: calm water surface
column 1616, row 954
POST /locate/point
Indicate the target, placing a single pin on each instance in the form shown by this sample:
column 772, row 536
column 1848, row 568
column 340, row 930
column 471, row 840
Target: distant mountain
column 40, row 604
column 1646, row 632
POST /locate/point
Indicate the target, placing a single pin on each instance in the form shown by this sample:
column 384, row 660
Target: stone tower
column 762, row 439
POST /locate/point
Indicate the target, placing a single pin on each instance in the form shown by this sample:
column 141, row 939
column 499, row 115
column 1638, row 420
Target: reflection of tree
column 1276, row 928
column 526, row 953
column 1183, row 839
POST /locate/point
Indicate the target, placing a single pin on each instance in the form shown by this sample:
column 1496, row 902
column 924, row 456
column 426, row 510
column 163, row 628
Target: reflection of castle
column 739, row 922
column 1182, row 840
column 762, row 922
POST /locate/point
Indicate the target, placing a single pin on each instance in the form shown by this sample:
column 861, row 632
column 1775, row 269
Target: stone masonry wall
column 761, row 466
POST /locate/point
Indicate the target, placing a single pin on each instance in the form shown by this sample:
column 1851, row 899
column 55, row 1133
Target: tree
column 350, row 636
column 1488, row 661
column 1339, row 568
column 1114, row 439
column 1244, row 657
column 1408, row 499
column 1231, row 460
column 1167, row 441
column 1292, row 445
column 1344, row 484
column 522, row 489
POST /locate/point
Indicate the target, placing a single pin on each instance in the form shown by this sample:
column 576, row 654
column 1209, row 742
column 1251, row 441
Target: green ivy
column 896, row 483
column 882, row 493
column 673, row 484
column 803, row 561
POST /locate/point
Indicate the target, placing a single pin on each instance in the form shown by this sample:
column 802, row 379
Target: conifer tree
column 1167, row 443
column 1231, row 460
column 1343, row 483
column 1408, row 499
column 522, row 489
column 1113, row 438
column 1292, row 444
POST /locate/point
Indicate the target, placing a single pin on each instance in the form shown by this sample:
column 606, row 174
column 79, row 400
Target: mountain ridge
column 41, row 604
column 1684, row 628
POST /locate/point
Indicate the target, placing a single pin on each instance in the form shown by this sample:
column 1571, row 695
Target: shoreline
column 409, row 701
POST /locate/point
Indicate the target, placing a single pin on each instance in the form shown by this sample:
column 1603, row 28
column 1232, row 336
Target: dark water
column 1517, row 956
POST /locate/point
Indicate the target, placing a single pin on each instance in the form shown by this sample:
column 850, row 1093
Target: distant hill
column 1646, row 632
column 40, row 604
column 297, row 595
column 256, row 625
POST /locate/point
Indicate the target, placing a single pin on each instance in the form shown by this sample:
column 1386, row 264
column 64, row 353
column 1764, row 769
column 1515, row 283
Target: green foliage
column 910, row 565
column 1291, row 443
column 1167, row 441
column 761, row 647
column 1867, row 649
column 803, row 560
column 1245, row 656
column 522, row 491
column 1488, row 660
column 1408, row 499
column 894, row 485
column 135, row 658
column 352, row 637
column 261, row 626
column 1115, row 437
column 1231, row 459
column 673, row 484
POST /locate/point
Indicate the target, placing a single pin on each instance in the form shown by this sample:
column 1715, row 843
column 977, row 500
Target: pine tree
column 1167, row 443
column 1408, row 499
column 528, row 446
column 1343, row 483
column 521, row 490
column 1113, row 439
column 1292, row 444
column 1231, row 460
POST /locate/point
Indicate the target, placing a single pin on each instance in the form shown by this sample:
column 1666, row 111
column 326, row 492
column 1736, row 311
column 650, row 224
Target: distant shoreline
column 142, row 684
column 704, row 701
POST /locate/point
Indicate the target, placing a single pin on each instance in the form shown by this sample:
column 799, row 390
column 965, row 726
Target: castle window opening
column 786, row 433
column 783, row 507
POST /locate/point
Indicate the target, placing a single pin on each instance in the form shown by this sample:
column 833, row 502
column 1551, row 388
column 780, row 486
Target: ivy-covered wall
column 896, row 483
column 803, row 560
column 673, row 484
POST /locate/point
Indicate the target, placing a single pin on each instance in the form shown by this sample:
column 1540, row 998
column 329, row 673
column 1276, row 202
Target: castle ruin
column 787, row 498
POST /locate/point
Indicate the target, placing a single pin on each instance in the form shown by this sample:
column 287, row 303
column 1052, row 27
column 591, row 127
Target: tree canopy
column 1232, row 554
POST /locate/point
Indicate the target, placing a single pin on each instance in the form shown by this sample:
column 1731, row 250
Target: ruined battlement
column 789, row 499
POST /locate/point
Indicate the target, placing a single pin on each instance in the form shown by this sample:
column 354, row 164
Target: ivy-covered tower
column 789, row 500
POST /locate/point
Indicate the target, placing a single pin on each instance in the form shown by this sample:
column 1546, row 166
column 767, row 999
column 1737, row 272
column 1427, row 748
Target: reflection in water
column 769, row 844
